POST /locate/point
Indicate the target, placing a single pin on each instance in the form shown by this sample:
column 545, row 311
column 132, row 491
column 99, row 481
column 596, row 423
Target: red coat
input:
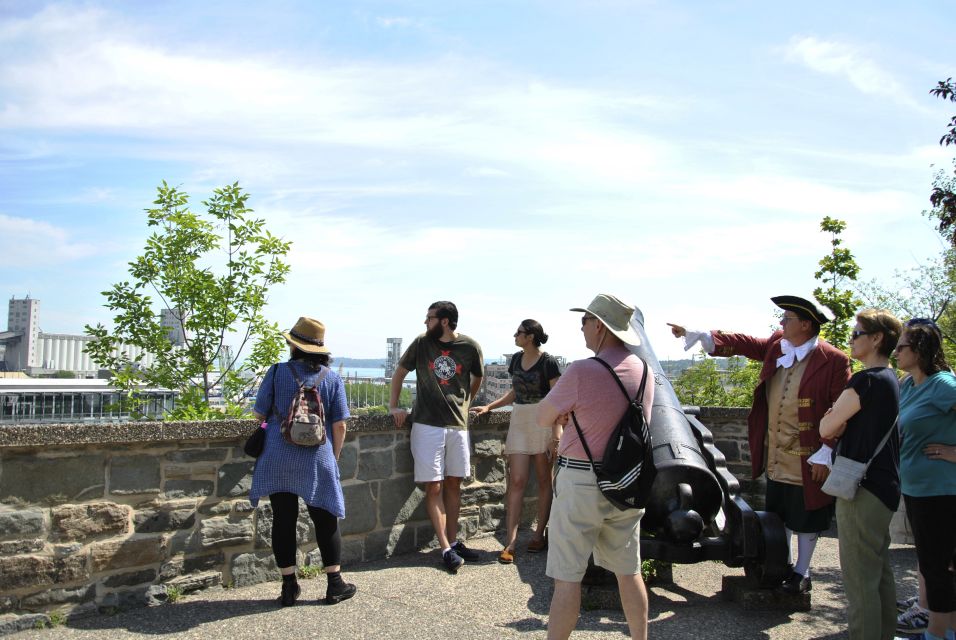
column 824, row 379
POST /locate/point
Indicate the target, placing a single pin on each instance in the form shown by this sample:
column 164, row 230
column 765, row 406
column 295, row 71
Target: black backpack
column 627, row 471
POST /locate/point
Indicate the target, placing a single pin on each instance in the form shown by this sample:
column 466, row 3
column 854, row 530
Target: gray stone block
column 13, row 623
column 491, row 517
column 131, row 552
column 400, row 500
column 387, row 542
column 81, row 521
column 17, row 547
column 375, row 465
column 20, row 523
column 81, row 611
column 197, row 455
column 482, row 494
column 404, row 462
column 134, row 474
column 163, row 519
column 53, row 597
column 204, row 563
column 221, row 532
column 730, row 449
column 130, row 578
column 253, row 568
column 185, row 541
column 17, row 572
column 235, row 479
column 171, row 569
column 198, row 581
column 424, row 535
column 490, row 470
column 376, row 441
column 216, row 508
column 155, row 595
column 359, row 509
column 8, row 604
column 242, row 506
column 34, row 479
column 348, row 462
column 188, row 488
column 487, row 444
column 353, row 551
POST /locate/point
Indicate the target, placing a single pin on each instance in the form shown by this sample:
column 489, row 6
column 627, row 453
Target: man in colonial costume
column 802, row 376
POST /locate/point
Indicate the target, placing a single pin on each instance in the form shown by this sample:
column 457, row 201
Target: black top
column 532, row 385
column 879, row 392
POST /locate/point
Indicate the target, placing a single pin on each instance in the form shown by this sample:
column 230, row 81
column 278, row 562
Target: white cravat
column 792, row 354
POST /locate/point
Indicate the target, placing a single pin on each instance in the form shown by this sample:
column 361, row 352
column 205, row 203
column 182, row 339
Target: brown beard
column 436, row 332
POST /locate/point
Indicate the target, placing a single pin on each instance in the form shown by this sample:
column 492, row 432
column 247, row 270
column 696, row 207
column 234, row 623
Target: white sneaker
column 914, row 620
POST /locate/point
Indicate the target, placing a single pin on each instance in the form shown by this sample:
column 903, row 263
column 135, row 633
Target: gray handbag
column 846, row 474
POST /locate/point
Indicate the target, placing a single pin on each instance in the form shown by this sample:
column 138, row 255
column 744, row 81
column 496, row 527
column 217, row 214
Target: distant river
column 366, row 372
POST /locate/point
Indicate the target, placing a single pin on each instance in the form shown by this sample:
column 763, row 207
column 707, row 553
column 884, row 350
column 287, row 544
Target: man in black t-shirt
column 448, row 370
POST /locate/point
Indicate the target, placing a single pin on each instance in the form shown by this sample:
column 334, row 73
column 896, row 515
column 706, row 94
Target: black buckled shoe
column 290, row 593
column 337, row 593
column 796, row 584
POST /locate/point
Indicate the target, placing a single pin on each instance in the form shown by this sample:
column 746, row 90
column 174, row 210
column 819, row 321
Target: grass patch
column 309, row 571
column 173, row 593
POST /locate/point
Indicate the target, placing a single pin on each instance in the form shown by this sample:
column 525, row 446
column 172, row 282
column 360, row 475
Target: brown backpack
column 304, row 424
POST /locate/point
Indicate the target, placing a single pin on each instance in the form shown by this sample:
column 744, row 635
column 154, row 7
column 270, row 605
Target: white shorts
column 440, row 452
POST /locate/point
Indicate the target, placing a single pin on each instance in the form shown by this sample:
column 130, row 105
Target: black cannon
column 695, row 512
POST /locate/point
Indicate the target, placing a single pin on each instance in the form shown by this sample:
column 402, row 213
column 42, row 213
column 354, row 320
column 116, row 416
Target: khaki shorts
column 584, row 522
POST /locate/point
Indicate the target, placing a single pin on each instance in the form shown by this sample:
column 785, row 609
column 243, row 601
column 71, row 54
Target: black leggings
column 933, row 520
column 285, row 515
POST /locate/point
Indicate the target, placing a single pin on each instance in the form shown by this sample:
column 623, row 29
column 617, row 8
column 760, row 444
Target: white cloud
column 24, row 241
column 849, row 62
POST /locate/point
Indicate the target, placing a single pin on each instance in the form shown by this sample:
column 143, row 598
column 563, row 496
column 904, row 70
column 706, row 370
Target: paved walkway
column 410, row 597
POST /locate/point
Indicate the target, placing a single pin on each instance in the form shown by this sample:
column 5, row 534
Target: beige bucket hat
column 615, row 315
column 308, row 335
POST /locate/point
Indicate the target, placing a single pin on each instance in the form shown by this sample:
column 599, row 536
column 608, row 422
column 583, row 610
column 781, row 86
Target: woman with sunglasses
column 862, row 416
column 927, row 468
column 533, row 373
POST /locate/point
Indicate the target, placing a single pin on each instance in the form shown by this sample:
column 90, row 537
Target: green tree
column 943, row 196
column 836, row 269
column 704, row 383
column 214, row 272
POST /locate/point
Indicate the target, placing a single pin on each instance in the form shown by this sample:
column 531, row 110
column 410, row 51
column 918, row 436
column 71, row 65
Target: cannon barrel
column 686, row 495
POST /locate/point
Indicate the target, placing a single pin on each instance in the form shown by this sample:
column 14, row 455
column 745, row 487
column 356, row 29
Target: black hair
column 313, row 360
column 927, row 343
column 535, row 330
column 445, row 310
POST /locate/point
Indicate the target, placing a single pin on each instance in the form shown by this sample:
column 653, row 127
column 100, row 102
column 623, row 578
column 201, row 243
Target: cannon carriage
column 696, row 512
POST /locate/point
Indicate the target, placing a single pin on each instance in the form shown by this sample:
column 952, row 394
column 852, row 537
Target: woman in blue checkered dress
column 286, row 472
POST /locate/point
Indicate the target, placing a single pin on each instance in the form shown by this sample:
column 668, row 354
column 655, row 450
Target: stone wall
column 96, row 517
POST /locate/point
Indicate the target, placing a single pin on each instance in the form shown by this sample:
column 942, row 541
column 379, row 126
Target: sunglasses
column 856, row 334
column 586, row 318
column 520, row 331
column 901, row 345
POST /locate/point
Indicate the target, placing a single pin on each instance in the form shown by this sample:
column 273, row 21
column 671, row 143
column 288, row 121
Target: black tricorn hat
column 803, row 307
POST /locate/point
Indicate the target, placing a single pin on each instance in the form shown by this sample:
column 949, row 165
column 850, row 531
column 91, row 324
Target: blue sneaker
column 452, row 560
column 463, row 551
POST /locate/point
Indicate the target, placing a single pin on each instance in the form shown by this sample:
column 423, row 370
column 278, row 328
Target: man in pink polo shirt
column 582, row 520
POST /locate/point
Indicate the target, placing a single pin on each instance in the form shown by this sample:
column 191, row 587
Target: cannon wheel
column 770, row 567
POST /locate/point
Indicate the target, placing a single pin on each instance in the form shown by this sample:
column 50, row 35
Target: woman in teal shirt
column 928, row 466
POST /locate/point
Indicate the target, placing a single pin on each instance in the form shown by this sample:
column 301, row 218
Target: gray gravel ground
column 410, row 596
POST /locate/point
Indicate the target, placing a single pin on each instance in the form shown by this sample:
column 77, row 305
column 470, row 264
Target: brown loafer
column 537, row 545
column 506, row 556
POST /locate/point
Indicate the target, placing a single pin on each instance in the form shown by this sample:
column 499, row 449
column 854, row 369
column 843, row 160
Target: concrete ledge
column 34, row 435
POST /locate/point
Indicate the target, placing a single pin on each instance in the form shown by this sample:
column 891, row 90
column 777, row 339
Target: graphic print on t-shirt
column 445, row 367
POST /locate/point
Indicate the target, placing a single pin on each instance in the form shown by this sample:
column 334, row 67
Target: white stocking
column 806, row 543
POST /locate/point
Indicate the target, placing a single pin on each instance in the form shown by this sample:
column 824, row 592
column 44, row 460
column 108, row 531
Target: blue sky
column 514, row 157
